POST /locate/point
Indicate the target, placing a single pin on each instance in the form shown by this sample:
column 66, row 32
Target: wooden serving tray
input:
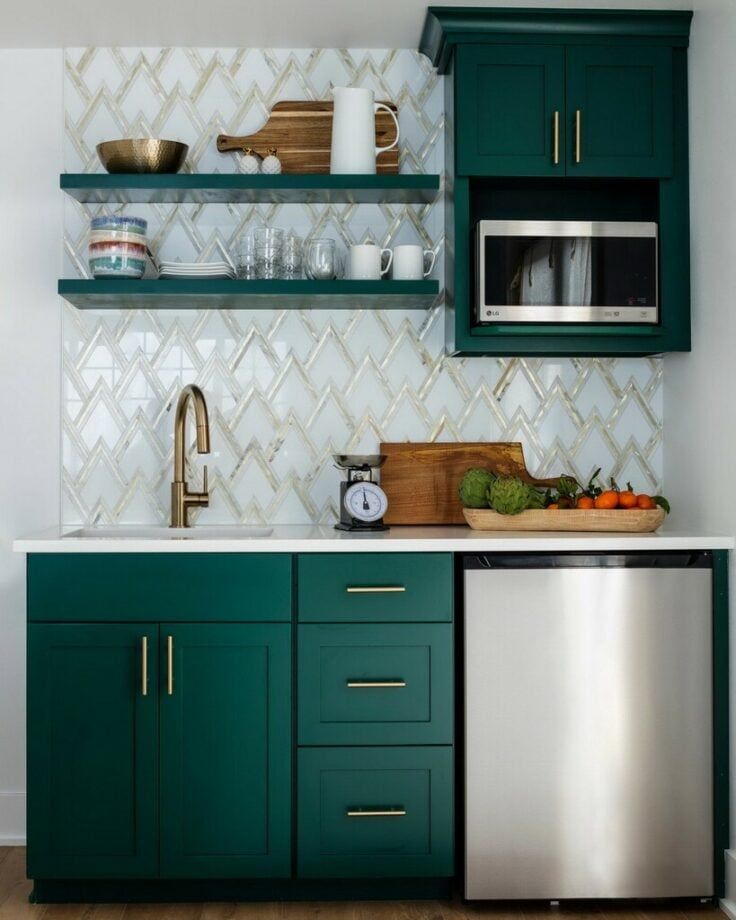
column 301, row 132
column 596, row 520
column 421, row 479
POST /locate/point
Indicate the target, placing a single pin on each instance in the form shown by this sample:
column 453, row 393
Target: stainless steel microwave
column 567, row 271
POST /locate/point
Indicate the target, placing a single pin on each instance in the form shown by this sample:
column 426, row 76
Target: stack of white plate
column 211, row 270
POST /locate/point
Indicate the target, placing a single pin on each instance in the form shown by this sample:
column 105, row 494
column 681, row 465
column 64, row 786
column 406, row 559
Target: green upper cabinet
column 510, row 110
column 225, row 750
column 92, row 751
column 557, row 114
column 619, row 111
column 554, row 110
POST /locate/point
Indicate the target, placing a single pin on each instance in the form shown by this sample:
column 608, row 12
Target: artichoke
column 474, row 487
column 509, row 495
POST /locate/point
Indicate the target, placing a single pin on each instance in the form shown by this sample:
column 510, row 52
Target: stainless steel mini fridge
column 588, row 726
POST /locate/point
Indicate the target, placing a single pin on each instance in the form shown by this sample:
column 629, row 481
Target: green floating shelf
column 218, row 188
column 183, row 294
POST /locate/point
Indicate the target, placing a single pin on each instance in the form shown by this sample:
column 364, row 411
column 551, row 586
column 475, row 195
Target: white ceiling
column 242, row 23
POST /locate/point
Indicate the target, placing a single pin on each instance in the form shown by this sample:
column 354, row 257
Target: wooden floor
column 14, row 889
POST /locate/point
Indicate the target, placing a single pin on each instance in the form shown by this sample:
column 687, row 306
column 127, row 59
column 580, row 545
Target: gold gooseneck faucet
column 181, row 498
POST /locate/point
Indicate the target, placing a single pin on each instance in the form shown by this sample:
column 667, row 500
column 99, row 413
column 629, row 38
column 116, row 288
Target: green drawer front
column 414, row 785
column 415, row 658
column 375, row 587
column 159, row 586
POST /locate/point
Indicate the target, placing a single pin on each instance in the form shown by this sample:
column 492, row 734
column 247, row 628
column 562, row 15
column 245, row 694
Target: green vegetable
column 509, row 495
column 474, row 487
column 538, row 499
column 567, row 486
column 662, row 502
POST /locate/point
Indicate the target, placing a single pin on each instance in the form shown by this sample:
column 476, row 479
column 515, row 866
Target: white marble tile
column 287, row 388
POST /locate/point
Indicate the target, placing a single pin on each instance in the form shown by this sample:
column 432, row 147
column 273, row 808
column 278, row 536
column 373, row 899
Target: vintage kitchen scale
column 363, row 502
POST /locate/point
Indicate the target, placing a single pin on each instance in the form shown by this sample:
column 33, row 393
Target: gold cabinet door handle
column 378, row 589
column 556, row 139
column 578, row 135
column 370, row 684
column 170, row 665
column 376, row 812
column 144, row 666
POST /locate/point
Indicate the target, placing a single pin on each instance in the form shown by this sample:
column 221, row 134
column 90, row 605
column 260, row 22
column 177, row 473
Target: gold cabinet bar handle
column 376, row 812
column 170, row 665
column 376, row 683
column 144, row 666
column 378, row 589
column 556, row 139
column 578, row 133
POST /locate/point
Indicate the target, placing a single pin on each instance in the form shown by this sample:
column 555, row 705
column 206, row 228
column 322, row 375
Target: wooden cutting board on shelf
column 301, row 132
column 421, row 479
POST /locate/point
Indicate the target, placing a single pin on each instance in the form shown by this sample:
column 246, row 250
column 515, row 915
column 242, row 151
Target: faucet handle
column 205, row 483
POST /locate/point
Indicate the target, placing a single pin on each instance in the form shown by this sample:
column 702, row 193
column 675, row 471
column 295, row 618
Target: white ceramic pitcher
column 354, row 130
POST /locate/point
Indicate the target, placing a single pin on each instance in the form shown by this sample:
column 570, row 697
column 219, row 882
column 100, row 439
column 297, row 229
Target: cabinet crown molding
column 446, row 26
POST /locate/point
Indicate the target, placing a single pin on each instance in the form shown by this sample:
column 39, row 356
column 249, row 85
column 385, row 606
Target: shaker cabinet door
column 619, row 111
column 225, row 750
column 509, row 102
column 92, row 751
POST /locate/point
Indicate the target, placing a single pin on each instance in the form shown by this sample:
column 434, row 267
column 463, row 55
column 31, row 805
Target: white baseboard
column 13, row 819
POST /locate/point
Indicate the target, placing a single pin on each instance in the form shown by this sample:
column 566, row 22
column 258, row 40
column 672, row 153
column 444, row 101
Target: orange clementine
column 645, row 502
column 627, row 499
column 607, row 500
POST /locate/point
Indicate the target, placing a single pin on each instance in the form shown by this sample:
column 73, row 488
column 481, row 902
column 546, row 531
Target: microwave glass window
column 599, row 271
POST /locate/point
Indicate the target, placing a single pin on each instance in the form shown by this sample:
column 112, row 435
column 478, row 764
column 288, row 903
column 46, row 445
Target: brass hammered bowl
column 143, row 155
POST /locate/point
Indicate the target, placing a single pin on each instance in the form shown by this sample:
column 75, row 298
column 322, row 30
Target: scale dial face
column 365, row 501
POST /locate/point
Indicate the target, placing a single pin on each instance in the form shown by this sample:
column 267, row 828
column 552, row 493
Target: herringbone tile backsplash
column 288, row 388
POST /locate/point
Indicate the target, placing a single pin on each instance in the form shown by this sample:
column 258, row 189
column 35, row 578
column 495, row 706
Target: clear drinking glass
column 246, row 262
column 269, row 251
column 292, row 257
column 321, row 260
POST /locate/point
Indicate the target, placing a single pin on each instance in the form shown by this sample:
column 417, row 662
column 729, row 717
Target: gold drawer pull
column 170, row 665
column 376, row 683
column 376, row 812
column 144, row 666
column 379, row 589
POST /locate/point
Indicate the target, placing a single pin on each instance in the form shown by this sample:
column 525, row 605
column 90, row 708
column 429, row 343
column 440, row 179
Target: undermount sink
column 169, row 533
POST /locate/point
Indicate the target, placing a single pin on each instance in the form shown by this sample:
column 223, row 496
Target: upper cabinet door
column 619, row 111
column 92, row 751
column 225, row 750
column 509, row 102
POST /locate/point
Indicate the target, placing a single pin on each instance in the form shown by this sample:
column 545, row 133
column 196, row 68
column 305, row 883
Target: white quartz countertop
column 320, row 539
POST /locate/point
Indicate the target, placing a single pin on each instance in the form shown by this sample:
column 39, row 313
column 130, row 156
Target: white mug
column 409, row 262
column 365, row 262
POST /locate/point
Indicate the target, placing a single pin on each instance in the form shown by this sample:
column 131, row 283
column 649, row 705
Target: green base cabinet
column 382, row 812
column 92, row 751
column 381, row 683
column 167, row 746
column 226, row 751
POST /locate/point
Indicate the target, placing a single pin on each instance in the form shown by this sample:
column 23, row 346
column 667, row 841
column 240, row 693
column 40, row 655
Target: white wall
column 30, row 330
column 700, row 403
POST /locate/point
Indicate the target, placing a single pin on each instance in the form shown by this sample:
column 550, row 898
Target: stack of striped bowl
column 117, row 246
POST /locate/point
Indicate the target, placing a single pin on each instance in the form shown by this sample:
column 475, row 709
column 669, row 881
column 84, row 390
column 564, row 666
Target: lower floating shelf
column 183, row 294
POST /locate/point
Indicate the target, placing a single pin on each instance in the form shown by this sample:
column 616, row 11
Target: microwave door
column 556, row 272
column 567, row 271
